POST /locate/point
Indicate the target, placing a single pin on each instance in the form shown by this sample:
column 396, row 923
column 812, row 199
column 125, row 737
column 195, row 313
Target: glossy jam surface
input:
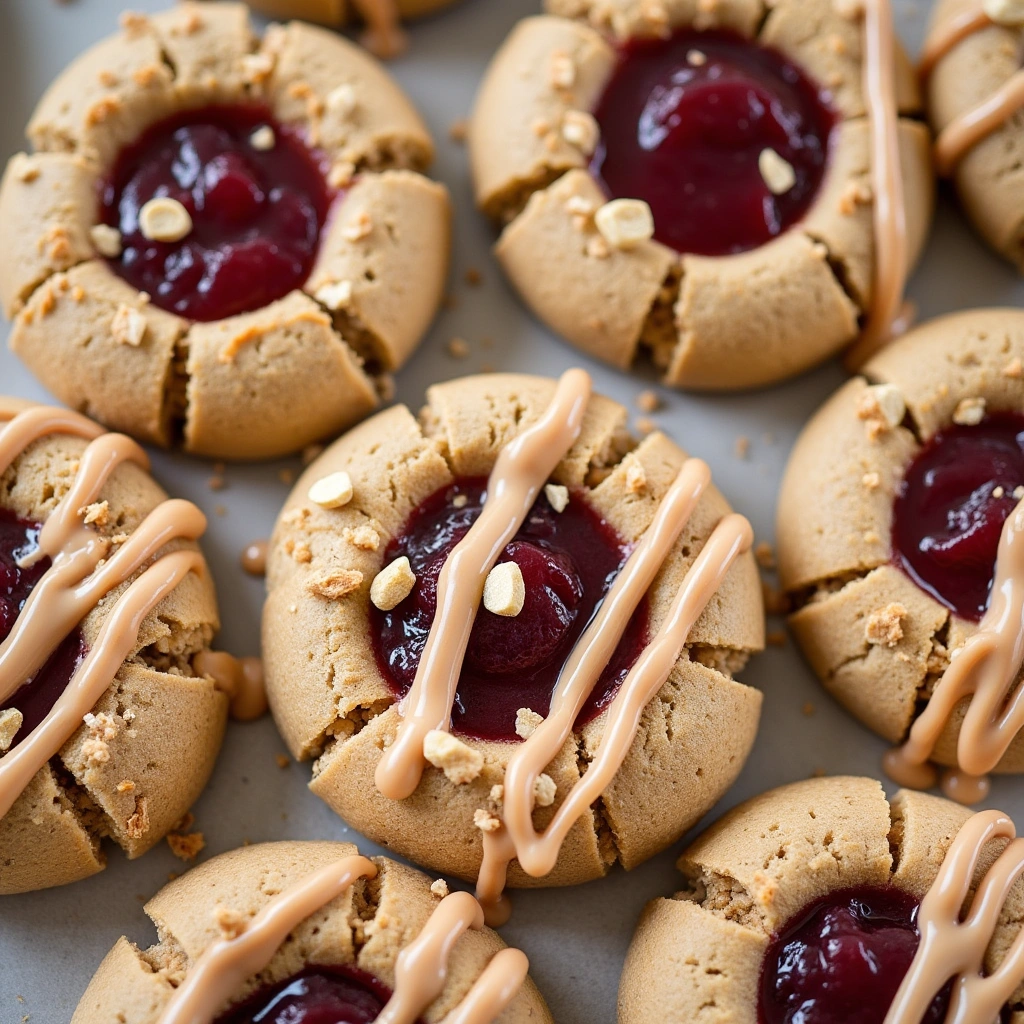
column 951, row 506
column 683, row 123
column 842, row 960
column 317, row 995
column 568, row 561
column 35, row 698
column 256, row 213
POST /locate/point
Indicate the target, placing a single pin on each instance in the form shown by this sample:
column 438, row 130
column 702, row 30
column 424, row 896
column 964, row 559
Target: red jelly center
column 684, row 121
column 37, row 695
column 842, row 960
column 568, row 561
column 951, row 506
column 256, row 212
column 317, row 995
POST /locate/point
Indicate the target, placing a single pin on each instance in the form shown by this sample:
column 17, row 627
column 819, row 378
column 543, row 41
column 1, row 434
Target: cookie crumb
column 765, row 555
column 485, row 821
column 497, row 794
column 230, row 923
column 741, row 447
column 579, row 129
column 126, row 786
column 648, row 401
column 885, row 626
column 504, row 590
column 544, row 790
column 439, row 888
column 392, row 585
column 776, row 172
column 263, row 139
column 186, row 846
column 128, row 326
column 102, row 729
column 342, row 100
column 10, row 722
column 332, row 491
column 286, row 475
column 872, row 481
column 636, row 478
column 1014, row 369
column 106, row 240
column 335, row 584
column 969, row 412
column 164, row 220
column 458, row 130
column 527, row 722
column 98, row 512
column 645, row 425
column 334, row 296
column 138, row 824
column 458, row 348
column 625, row 223
column 808, row 709
column 359, row 227
column 341, row 174
column 460, row 763
column 473, row 277
column 882, row 407
column 283, row 761
column 557, row 495
column 562, row 70
column 364, row 537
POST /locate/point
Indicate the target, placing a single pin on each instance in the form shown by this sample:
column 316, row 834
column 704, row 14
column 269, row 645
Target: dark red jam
column 684, row 121
column 951, row 506
column 569, row 560
column 36, row 696
column 842, row 961
column 317, row 995
column 256, row 212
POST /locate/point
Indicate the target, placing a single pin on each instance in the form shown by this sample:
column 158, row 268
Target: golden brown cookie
column 325, row 658
column 707, row 321
column 878, row 641
column 360, row 934
column 699, row 955
column 131, row 770
column 273, row 375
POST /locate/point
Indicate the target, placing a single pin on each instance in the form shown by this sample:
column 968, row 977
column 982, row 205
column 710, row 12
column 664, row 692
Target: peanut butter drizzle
column 82, row 573
column 384, row 36
column 221, row 969
column 985, row 670
column 957, row 139
column 954, row 947
column 522, row 468
column 945, row 37
column 887, row 318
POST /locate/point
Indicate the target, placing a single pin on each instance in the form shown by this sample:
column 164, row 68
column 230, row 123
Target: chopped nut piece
column 138, row 824
column 1014, row 369
column 335, row 296
column 263, row 138
column 360, row 227
column 885, row 626
column 696, row 58
column 393, row 584
column 230, row 923
column 1005, row 12
column 439, row 888
column 341, row 174
column 10, row 723
column 460, row 763
column 648, row 401
column 126, row 786
column 544, row 790
column 458, row 348
column 598, row 248
column 970, row 412
column 332, row 491
column 580, row 129
column 872, row 481
column 106, row 240
column 625, row 223
column 460, row 501
column 557, row 495
column 777, row 173
column 883, row 407
column 504, row 590
column 485, row 821
column 1018, row 492
column 164, row 220
column 636, row 478
column 998, row 492
column 283, row 761
column 364, row 537
column 335, row 584
column 342, row 100
column 98, row 512
column 563, row 70
column 527, row 722
column 128, row 326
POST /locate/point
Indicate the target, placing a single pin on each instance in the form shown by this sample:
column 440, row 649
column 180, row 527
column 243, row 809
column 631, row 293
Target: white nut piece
column 776, row 171
column 460, row 763
column 335, row 296
column 557, row 495
column 625, row 223
column 580, row 129
column 1005, row 12
column 128, row 326
column 393, row 584
column 883, row 402
column 332, row 491
column 106, row 240
column 504, row 590
column 164, row 220
column 263, row 138
column 970, row 412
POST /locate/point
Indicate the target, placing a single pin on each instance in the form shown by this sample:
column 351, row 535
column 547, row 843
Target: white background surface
column 51, row 942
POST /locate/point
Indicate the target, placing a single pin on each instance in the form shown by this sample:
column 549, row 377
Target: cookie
column 812, row 895
column 265, row 248
column 345, row 940
column 354, row 572
column 731, row 259
column 975, row 92
column 893, row 516
column 108, row 608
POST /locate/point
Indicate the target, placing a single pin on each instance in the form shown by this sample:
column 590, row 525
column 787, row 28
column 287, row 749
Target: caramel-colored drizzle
column 984, row 669
column 964, row 132
column 953, row 946
column 420, row 972
column 82, row 573
column 384, row 36
column 887, row 318
column 522, row 468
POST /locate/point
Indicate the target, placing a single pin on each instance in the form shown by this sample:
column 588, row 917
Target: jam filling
column 569, row 560
column 951, row 506
column 842, row 961
column 684, row 121
column 36, row 697
column 256, row 212
column 317, row 995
